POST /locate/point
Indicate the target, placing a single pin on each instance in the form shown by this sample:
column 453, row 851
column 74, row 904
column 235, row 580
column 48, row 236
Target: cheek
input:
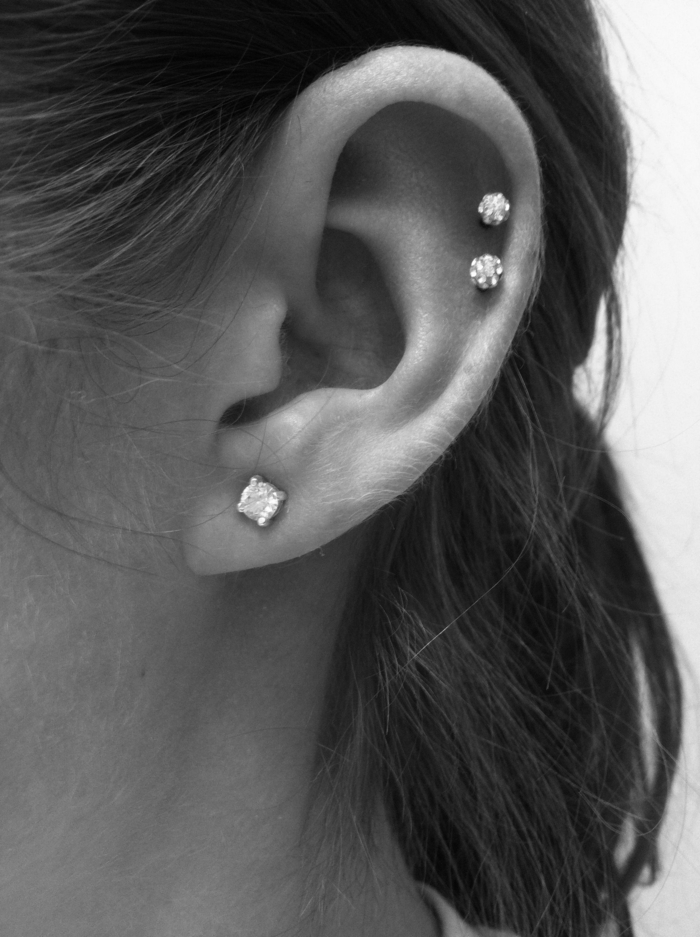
column 100, row 454
column 102, row 628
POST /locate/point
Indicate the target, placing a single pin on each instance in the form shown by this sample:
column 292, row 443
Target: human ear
column 367, row 346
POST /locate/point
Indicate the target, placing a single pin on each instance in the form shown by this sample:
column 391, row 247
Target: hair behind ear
column 502, row 639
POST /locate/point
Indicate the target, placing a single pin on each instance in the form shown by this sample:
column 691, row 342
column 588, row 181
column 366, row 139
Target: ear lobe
column 362, row 224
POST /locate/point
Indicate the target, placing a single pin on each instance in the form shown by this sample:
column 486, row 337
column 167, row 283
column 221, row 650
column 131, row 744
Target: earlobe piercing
column 486, row 271
column 261, row 501
column 494, row 209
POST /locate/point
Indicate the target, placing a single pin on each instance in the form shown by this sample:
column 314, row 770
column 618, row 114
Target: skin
column 158, row 727
column 160, row 703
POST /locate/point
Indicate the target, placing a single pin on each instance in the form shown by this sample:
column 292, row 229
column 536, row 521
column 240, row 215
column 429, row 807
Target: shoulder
column 451, row 924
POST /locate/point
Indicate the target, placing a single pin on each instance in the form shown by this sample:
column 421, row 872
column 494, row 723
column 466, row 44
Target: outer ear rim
column 219, row 539
column 401, row 73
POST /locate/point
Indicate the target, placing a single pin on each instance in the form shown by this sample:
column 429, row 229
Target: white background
column 655, row 50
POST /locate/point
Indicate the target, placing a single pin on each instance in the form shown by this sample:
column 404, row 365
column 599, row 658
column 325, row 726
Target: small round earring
column 494, row 209
column 261, row 501
column 486, row 271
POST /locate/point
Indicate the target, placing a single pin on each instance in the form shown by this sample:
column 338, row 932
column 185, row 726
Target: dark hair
column 505, row 683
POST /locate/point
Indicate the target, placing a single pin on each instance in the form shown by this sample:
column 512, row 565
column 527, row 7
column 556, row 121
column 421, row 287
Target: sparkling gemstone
column 260, row 500
column 486, row 271
column 494, row 208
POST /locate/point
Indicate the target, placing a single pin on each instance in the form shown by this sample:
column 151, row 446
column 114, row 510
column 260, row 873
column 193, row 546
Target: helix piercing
column 494, row 209
column 261, row 501
column 486, row 271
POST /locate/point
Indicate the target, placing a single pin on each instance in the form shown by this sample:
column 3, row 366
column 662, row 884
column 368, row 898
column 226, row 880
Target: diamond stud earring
column 261, row 501
column 486, row 271
column 494, row 209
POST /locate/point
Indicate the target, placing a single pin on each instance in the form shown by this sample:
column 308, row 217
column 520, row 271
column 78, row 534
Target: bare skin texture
column 163, row 661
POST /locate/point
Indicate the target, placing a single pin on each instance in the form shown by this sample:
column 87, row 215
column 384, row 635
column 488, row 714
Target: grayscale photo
column 349, row 459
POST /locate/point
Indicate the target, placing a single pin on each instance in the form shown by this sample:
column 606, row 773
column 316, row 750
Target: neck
column 182, row 808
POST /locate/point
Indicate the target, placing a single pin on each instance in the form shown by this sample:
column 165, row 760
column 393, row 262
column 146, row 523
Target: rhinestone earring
column 494, row 209
column 486, row 271
column 261, row 501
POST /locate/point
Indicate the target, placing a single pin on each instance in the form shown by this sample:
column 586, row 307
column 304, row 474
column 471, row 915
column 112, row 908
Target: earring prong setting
column 494, row 209
column 261, row 501
column 486, row 271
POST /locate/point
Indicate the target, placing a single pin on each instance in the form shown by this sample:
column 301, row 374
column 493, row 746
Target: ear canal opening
column 351, row 337
column 360, row 328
